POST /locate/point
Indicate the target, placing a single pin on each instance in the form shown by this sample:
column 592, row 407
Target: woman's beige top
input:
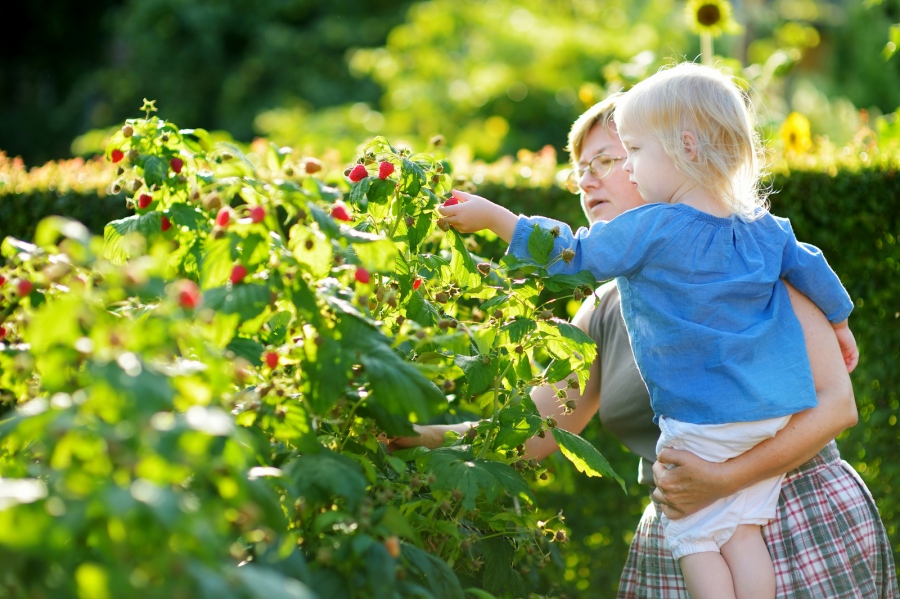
column 624, row 400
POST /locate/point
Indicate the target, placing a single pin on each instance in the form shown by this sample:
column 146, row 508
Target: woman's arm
column 686, row 483
column 544, row 397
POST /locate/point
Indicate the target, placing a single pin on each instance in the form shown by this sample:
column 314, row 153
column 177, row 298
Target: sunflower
column 711, row 17
column 795, row 134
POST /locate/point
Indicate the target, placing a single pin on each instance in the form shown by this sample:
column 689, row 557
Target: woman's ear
column 689, row 145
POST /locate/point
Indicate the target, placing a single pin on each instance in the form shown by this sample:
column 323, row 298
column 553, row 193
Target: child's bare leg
column 750, row 563
column 707, row 576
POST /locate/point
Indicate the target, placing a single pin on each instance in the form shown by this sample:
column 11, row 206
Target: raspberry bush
column 192, row 406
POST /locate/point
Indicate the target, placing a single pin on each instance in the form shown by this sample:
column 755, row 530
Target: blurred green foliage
column 491, row 76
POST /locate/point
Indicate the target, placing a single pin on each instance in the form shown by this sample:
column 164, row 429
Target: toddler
column 699, row 270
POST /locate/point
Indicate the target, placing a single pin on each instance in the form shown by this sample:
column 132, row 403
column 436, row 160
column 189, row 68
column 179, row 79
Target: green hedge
column 849, row 211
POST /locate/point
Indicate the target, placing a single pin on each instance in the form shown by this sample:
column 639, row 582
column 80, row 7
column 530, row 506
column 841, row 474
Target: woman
column 827, row 539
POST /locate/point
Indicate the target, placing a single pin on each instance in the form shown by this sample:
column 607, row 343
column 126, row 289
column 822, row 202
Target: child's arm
column 475, row 213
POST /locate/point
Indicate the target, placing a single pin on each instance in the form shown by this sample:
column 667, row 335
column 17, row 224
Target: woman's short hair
column 601, row 112
column 709, row 104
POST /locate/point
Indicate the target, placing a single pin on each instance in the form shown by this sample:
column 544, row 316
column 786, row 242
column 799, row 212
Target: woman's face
column 606, row 198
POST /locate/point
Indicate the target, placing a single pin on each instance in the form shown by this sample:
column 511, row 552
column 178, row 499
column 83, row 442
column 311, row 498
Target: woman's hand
column 686, row 483
column 430, row 436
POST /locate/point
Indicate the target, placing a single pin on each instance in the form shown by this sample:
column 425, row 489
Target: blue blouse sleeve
column 804, row 266
column 611, row 249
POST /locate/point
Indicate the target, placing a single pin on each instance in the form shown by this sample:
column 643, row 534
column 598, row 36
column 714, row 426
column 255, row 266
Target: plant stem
column 706, row 49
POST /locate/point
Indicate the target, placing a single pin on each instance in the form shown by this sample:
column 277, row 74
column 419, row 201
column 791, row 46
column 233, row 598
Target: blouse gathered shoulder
column 710, row 322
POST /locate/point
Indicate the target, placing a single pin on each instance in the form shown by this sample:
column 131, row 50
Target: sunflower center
column 708, row 15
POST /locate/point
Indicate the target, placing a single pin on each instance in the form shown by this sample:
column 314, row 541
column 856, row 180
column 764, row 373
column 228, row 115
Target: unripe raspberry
column 362, row 275
column 165, row 224
column 441, row 297
column 410, row 222
column 116, row 155
column 471, row 433
column 577, row 295
column 555, row 231
column 484, row 268
column 212, row 202
column 144, row 200
column 313, row 165
column 223, row 217
column 546, row 314
column 498, row 314
column 132, row 155
column 443, row 225
column 568, row 255
column 257, row 214
column 177, row 164
column 127, row 130
column 272, row 359
column 238, row 273
column 571, row 404
column 551, row 422
column 486, row 360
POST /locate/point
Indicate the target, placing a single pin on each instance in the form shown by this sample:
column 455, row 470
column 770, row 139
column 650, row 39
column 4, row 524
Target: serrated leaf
column 266, row 583
column 480, row 377
column 183, row 215
column 509, row 480
column 324, row 220
column 518, row 423
column 380, row 191
column 584, row 456
column 540, row 244
column 247, row 300
column 412, row 178
column 325, row 476
column 557, row 370
column 155, row 171
column 217, row 263
column 115, row 233
column 456, row 469
column 358, row 193
column 517, row 329
column 499, row 576
column 497, row 300
column 421, row 310
column 248, row 349
column 563, row 282
column 463, row 267
column 433, row 573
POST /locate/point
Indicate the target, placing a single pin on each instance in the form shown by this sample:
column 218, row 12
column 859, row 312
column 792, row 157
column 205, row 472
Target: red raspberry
column 417, row 283
column 257, row 214
column 238, row 273
column 223, row 217
column 117, row 155
column 2, row 332
column 358, row 173
column 2, row 280
column 176, row 164
column 145, row 200
column 340, row 213
column 189, row 296
column 272, row 359
column 24, row 287
column 385, row 169
column 362, row 275
column 451, row 202
column 165, row 224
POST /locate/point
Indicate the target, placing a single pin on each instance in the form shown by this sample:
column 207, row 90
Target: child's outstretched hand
column 470, row 213
column 848, row 345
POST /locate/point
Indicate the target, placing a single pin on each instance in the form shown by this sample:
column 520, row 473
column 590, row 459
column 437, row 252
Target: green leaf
column 392, row 424
column 463, row 267
column 508, row 479
column 518, row 423
column 584, row 456
column 248, row 349
column 358, row 194
column 567, row 282
column 421, row 310
column 266, row 583
column 540, row 244
column 557, row 370
column 50, row 229
column 185, row 215
column 115, row 246
column 217, row 263
column 565, row 341
column 155, row 171
column 433, row 573
column 380, row 191
column 894, row 42
column 480, row 377
column 499, row 576
column 324, row 476
column 412, row 178
column 377, row 256
column 324, row 220
column 517, row 329
column 247, row 300
column 456, row 468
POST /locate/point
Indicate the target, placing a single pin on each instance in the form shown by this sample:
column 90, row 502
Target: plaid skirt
column 827, row 541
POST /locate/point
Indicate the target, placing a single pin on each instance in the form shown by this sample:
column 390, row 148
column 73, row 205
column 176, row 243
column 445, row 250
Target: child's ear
column 689, row 145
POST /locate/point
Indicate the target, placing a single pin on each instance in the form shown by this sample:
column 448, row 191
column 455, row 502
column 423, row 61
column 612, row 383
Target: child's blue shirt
column 710, row 322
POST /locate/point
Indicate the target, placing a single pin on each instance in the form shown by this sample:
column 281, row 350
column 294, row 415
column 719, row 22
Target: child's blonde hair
column 706, row 102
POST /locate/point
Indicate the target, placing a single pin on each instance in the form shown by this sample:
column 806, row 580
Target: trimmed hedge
column 847, row 208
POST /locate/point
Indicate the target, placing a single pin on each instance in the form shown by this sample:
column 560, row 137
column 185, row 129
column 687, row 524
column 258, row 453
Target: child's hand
column 475, row 213
column 848, row 345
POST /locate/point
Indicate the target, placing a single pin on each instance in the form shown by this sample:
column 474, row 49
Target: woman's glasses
column 599, row 166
